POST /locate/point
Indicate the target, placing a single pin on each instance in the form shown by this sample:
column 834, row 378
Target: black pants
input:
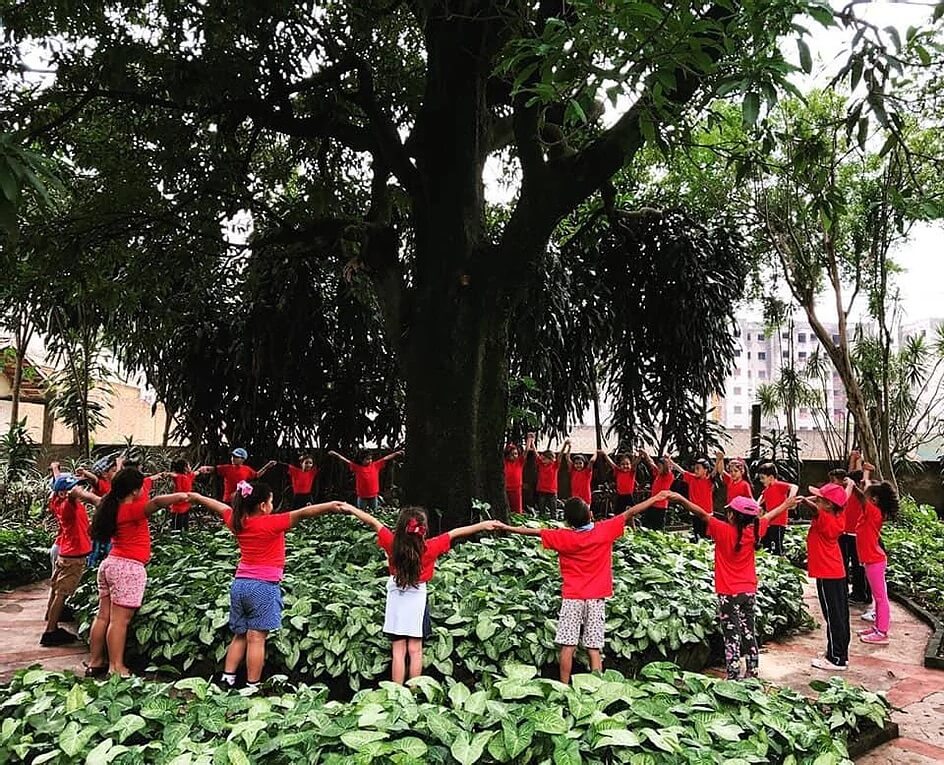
column 180, row 521
column 834, row 600
column 773, row 539
column 300, row 500
column 653, row 518
column 855, row 571
column 699, row 528
column 546, row 504
column 622, row 502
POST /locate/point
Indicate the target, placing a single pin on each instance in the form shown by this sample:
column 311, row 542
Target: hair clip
column 244, row 488
column 413, row 526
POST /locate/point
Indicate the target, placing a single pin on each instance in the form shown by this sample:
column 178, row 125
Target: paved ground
column 895, row 669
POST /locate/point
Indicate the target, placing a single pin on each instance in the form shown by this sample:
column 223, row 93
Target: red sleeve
column 314, row 469
column 292, row 470
column 688, row 477
column 718, row 528
column 380, row 465
column 385, row 539
column 726, row 479
column 438, row 545
column 763, row 526
column 352, row 466
column 253, row 473
column 134, row 511
column 278, row 523
column 223, row 469
column 653, row 470
column 556, row 539
column 614, row 526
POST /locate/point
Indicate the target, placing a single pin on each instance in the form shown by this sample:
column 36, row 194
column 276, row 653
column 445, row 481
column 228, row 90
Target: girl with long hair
column 121, row 517
column 256, row 594
column 736, row 541
column 411, row 559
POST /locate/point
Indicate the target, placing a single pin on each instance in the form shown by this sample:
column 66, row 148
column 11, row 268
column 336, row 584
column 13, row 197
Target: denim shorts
column 254, row 605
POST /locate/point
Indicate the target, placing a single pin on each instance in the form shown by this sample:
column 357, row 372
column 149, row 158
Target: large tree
column 364, row 129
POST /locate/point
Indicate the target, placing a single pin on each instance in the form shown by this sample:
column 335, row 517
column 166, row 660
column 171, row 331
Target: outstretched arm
column 789, row 503
column 392, row 456
column 312, row 511
column 719, row 464
column 209, row 503
column 635, row 510
column 607, row 457
column 649, row 463
column 529, row 444
column 564, row 451
column 475, row 528
column 268, row 466
column 526, row 531
column 364, row 517
column 164, row 500
column 88, row 497
column 674, row 496
column 54, row 467
column 341, row 457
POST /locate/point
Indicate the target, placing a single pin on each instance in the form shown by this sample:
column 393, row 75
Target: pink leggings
column 875, row 574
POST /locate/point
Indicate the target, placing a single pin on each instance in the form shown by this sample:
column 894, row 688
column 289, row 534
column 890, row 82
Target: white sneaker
column 868, row 616
column 828, row 665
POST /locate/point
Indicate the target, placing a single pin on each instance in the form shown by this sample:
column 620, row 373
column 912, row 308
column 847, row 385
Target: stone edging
column 933, row 658
column 872, row 739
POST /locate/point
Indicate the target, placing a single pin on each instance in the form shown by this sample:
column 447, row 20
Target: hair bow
column 414, row 526
column 244, row 488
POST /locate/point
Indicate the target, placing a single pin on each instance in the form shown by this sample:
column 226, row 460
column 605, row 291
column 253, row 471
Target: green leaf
column 74, row 738
column 517, row 738
column 412, row 746
column 750, row 109
column 468, row 750
column 806, row 60
column 549, row 720
column 358, row 739
column 618, row 737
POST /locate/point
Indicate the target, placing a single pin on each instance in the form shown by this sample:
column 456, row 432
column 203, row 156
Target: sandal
column 96, row 671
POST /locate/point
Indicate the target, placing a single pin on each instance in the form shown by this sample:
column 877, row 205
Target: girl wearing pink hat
column 824, row 563
column 736, row 541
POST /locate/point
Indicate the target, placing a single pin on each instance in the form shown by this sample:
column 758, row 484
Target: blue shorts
column 367, row 503
column 254, row 605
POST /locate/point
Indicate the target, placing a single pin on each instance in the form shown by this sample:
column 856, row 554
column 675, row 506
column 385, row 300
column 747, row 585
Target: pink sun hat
column 831, row 491
column 745, row 506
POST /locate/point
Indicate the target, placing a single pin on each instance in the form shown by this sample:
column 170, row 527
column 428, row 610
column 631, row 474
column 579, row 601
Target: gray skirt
column 405, row 614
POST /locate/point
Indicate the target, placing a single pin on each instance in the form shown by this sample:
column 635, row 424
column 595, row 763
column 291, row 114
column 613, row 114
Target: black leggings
column 773, row 539
column 653, row 518
column 855, row 571
column 834, row 600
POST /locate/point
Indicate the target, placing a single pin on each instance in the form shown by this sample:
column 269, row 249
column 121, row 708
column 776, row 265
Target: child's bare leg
column 235, row 654
column 97, row 656
column 255, row 655
column 398, row 668
column 566, row 662
column 415, row 651
column 596, row 659
column 116, row 636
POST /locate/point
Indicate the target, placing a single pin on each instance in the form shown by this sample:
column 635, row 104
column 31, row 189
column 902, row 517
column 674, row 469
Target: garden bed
column 666, row 716
column 24, row 554
column 491, row 602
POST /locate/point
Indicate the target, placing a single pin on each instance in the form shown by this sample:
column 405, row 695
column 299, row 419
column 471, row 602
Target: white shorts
column 405, row 615
column 582, row 622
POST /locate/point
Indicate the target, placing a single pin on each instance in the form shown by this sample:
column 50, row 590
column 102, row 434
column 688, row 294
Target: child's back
column 586, row 557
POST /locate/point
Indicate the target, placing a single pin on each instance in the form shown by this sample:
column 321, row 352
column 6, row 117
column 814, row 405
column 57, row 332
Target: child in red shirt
column 367, row 476
column 624, row 473
column 122, row 517
column 734, row 478
column 411, row 560
column 736, row 540
column 824, row 564
column 855, row 572
column 255, row 594
column 303, row 481
column 585, row 556
column 235, row 472
column 775, row 493
column 580, row 470
column 182, row 477
column 73, row 546
column 662, row 480
column 546, row 491
column 701, row 491
column 879, row 503
column 514, row 460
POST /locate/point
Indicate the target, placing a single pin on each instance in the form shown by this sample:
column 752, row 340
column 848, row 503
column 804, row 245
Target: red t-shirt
column 102, row 487
column 547, row 476
column 435, row 546
column 586, row 557
column 132, row 537
column 302, row 480
column 853, row 512
column 73, row 538
column 580, row 484
column 734, row 488
column 513, row 473
column 867, row 534
column 183, row 482
column 232, row 475
column 367, row 478
column 773, row 497
column 146, row 485
column 625, row 480
column 661, row 482
column 823, row 556
column 700, row 491
column 734, row 569
column 261, row 545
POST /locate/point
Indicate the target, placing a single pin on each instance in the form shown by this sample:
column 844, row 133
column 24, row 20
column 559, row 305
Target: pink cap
column 831, row 491
column 745, row 506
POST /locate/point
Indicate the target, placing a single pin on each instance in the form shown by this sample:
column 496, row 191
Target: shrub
column 24, row 554
column 667, row 716
column 491, row 602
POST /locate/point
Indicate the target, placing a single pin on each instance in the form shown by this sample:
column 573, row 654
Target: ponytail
column 886, row 498
column 246, row 499
column 409, row 544
column 105, row 521
column 742, row 521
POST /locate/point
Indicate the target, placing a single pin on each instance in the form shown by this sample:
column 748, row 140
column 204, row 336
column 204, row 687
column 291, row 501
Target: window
column 737, row 331
column 748, row 335
column 801, row 337
column 804, row 412
column 749, row 374
column 784, row 335
column 762, row 336
column 762, row 375
column 802, row 354
column 737, row 390
column 748, row 354
column 738, row 409
column 835, row 338
column 786, row 354
column 762, row 355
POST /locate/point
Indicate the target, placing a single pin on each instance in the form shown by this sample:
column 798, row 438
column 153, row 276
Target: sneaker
column 875, row 638
column 828, row 665
column 57, row 637
column 868, row 616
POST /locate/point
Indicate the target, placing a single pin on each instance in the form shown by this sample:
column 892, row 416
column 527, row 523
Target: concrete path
column 21, row 624
column 895, row 669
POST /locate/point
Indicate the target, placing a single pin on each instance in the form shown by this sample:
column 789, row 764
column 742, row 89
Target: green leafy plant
column 24, row 554
column 666, row 716
column 491, row 602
